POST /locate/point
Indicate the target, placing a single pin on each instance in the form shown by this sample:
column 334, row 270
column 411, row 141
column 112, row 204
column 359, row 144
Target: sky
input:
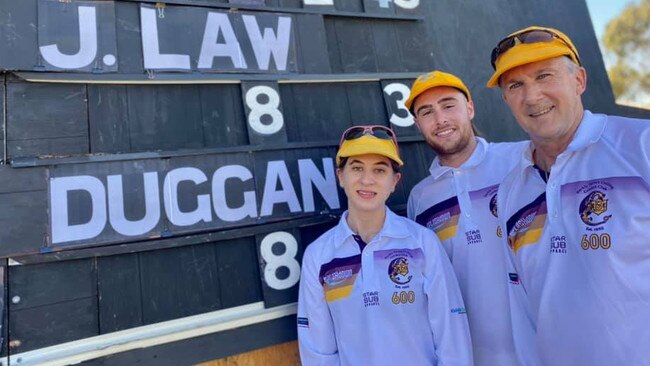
column 603, row 10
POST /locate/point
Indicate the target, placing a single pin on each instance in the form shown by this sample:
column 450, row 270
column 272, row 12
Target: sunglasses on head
column 528, row 37
column 378, row 131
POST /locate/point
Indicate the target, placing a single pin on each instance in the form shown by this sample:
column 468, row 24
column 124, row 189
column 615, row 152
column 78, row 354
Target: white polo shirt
column 459, row 204
column 581, row 244
column 396, row 302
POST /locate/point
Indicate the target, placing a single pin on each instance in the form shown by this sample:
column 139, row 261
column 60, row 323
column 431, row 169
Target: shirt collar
column 392, row 228
column 342, row 230
column 475, row 159
column 589, row 131
column 526, row 160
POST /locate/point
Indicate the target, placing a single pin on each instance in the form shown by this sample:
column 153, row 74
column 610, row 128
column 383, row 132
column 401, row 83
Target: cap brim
column 432, row 80
column 369, row 145
column 527, row 53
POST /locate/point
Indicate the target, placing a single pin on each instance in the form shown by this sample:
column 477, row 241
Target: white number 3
column 404, row 92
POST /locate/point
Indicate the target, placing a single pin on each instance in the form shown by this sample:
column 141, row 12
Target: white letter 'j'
column 87, row 44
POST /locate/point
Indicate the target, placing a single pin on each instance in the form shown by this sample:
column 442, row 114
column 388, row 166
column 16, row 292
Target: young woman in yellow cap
column 378, row 289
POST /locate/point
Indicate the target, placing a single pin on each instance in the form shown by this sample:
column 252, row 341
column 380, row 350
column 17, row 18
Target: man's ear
column 581, row 77
column 503, row 95
column 470, row 109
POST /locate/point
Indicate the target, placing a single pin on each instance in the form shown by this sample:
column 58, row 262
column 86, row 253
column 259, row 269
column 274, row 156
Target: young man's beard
column 460, row 145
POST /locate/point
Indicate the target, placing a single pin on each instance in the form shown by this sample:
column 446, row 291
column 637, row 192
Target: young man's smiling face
column 444, row 117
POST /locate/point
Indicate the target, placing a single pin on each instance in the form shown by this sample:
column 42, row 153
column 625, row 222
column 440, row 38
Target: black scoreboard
column 166, row 163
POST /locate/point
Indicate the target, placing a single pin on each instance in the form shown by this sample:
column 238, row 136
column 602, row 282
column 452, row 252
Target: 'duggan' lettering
column 107, row 195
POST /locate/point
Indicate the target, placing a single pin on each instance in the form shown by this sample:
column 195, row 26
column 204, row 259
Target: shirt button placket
column 367, row 268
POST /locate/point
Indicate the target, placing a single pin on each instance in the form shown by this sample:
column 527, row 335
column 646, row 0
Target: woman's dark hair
column 393, row 164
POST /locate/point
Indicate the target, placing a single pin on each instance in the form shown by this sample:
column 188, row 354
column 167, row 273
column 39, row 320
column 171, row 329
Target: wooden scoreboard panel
column 180, row 156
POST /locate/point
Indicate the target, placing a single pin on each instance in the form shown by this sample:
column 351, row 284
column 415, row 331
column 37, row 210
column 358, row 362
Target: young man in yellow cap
column 458, row 202
column 378, row 289
column 576, row 210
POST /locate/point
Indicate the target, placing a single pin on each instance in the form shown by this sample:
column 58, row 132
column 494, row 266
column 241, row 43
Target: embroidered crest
column 593, row 207
column 493, row 205
column 398, row 270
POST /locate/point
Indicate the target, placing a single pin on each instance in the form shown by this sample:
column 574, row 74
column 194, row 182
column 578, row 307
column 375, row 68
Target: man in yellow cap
column 576, row 209
column 457, row 201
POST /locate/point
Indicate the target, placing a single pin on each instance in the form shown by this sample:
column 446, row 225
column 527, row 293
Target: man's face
column 545, row 98
column 444, row 116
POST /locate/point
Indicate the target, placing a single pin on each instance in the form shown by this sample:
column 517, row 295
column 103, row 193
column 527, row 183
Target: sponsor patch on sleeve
column 303, row 322
column 458, row 310
column 526, row 225
column 338, row 276
column 514, row 278
column 442, row 218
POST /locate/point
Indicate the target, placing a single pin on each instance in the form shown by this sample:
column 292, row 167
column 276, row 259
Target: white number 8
column 269, row 108
column 274, row 261
column 318, row 2
column 407, row 4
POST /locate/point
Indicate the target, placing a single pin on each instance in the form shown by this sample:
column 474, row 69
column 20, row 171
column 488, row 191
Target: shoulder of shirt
column 629, row 128
column 396, row 226
column 502, row 157
column 401, row 220
column 413, row 228
column 628, row 138
column 323, row 243
column 509, row 181
column 511, row 177
column 425, row 239
column 508, row 149
column 416, row 191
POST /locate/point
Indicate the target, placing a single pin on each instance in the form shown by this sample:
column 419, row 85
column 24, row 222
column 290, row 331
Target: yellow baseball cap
column 434, row 79
column 515, row 51
column 368, row 144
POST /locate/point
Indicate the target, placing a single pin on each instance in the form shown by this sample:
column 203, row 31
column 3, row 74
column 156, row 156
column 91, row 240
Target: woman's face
column 367, row 180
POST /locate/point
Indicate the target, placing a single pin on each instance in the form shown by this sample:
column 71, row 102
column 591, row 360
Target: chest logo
column 493, row 206
column 593, row 207
column 398, row 270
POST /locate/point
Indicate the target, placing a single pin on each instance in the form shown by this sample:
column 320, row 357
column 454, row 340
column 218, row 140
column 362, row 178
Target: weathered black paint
column 207, row 347
column 46, row 119
column 120, row 291
column 52, row 301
